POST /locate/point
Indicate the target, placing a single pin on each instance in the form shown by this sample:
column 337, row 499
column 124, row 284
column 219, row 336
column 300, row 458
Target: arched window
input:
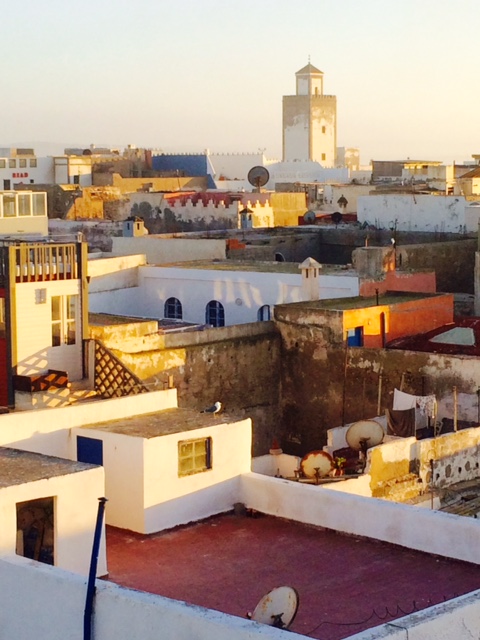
column 173, row 309
column 215, row 314
column 264, row 313
column 279, row 257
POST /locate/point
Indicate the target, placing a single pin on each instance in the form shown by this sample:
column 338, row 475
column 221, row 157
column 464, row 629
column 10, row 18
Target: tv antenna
column 316, row 465
column 277, row 608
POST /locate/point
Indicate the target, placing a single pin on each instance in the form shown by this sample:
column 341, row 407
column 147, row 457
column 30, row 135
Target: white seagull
column 216, row 408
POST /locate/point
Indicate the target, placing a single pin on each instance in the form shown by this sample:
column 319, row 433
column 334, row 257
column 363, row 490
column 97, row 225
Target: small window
column 173, row 309
column 22, row 163
column 215, row 314
column 3, row 163
column 39, row 204
column 264, row 313
column 33, row 162
column 324, row 129
column 194, row 456
column 24, row 204
column 76, row 179
column 9, row 205
column 12, row 163
column 324, row 157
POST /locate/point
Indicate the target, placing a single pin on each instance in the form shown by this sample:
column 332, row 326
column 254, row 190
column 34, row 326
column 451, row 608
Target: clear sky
column 186, row 75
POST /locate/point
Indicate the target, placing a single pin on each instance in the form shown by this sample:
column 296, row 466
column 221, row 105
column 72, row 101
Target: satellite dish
column 364, row 434
column 316, row 464
column 337, row 217
column 278, row 608
column 309, row 217
column 258, row 176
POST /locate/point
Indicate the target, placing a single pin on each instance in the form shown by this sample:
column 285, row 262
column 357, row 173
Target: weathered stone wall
column 326, row 385
column 453, row 262
column 238, row 365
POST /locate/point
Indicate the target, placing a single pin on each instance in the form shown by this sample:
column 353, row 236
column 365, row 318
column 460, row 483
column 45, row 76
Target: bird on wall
column 216, row 408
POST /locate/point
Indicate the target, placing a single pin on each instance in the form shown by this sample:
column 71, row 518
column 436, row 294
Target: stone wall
column 238, row 365
column 453, row 262
column 326, row 385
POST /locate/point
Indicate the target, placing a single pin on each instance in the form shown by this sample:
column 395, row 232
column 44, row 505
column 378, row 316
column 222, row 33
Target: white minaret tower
column 310, row 120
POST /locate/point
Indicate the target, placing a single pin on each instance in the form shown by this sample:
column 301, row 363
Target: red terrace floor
column 229, row 562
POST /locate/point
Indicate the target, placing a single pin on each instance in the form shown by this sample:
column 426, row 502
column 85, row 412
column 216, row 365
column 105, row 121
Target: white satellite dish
column 316, row 464
column 364, row 434
column 277, row 608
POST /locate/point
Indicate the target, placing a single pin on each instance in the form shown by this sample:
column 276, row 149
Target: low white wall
column 48, row 430
column 76, row 505
column 411, row 527
column 107, row 274
column 38, row 601
column 456, row 619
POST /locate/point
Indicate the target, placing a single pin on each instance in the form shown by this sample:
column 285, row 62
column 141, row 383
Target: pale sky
column 186, row 75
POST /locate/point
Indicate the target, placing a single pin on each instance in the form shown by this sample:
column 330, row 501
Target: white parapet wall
column 456, row 619
column 48, row 430
column 412, row 527
column 45, row 602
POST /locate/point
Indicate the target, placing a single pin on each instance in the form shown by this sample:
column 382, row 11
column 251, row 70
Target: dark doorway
column 89, row 450
column 36, row 530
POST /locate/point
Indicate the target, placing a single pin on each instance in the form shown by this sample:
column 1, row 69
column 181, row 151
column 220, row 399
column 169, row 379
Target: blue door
column 89, row 450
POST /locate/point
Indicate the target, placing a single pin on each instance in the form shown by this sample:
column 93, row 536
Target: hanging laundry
column 403, row 401
column 401, row 423
column 427, row 405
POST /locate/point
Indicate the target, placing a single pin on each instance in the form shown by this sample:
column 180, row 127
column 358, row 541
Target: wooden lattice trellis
column 113, row 378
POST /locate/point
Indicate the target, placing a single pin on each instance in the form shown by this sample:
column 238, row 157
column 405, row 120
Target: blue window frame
column 264, row 313
column 215, row 314
column 173, row 309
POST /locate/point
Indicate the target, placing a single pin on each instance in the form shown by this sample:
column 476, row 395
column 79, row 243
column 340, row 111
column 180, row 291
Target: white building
column 23, row 213
column 22, row 166
column 414, row 212
column 213, row 293
column 310, row 120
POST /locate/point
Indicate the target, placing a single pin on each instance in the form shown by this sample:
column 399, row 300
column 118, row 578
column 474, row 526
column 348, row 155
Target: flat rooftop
column 358, row 302
column 162, row 423
column 20, row 467
column 346, row 584
column 461, row 337
column 254, row 266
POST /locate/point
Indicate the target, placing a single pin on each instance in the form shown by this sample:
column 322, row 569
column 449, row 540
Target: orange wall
column 401, row 318
column 420, row 282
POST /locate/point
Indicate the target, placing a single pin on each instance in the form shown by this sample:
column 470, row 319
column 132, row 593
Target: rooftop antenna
column 277, row 608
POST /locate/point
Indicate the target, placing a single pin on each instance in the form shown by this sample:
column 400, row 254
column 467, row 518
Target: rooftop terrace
column 18, row 467
column 259, row 267
column 346, row 584
column 359, row 302
column 161, row 423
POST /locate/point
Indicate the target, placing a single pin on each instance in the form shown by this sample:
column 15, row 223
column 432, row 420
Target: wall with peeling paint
column 413, row 212
column 239, row 365
column 324, row 384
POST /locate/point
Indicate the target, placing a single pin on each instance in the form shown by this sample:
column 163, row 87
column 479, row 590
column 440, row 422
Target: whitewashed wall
column 41, row 174
column 45, row 602
column 48, row 430
column 142, row 484
column 242, row 293
column 35, row 353
column 413, row 212
column 76, row 504
column 113, row 273
column 408, row 526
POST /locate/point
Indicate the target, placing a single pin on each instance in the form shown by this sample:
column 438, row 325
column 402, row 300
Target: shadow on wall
column 157, row 221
